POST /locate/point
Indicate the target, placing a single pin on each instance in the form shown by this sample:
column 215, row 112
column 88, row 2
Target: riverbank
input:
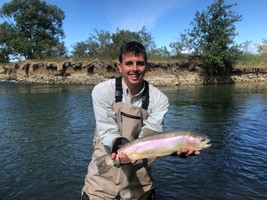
column 91, row 73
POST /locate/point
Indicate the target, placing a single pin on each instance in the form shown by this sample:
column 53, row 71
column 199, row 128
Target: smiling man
column 123, row 107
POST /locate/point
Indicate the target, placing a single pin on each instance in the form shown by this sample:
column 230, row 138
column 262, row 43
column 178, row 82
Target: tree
column 57, row 51
column 80, row 50
column 211, row 39
column 146, row 39
column 160, row 52
column 262, row 48
column 119, row 38
column 109, row 44
column 99, row 44
column 33, row 29
column 4, row 53
column 181, row 46
column 104, row 44
column 245, row 47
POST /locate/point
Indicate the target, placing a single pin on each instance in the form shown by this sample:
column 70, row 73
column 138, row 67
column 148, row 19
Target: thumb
column 113, row 156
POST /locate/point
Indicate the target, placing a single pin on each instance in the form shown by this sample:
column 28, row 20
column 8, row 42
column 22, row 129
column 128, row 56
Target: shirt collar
column 126, row 90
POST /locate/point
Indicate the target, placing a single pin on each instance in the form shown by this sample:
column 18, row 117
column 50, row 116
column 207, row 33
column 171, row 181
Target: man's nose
column 134, row 66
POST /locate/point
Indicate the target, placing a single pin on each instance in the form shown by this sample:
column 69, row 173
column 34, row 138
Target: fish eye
column 203, row 139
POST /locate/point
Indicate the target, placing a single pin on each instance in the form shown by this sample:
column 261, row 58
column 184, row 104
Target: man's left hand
column 187, row 153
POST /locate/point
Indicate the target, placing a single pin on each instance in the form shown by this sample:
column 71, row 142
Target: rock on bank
column 160, row 73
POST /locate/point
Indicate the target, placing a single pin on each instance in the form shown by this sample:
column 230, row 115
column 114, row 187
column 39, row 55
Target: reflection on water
column 234, row 116
column 46, row 135
column 44, row 142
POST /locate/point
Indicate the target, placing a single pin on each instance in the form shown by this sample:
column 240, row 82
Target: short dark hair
column 133, row 47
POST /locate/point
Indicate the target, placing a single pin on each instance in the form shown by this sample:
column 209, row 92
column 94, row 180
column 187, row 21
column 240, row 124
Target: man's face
column 132, row 69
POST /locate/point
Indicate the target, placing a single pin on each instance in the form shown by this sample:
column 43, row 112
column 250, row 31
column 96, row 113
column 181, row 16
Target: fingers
column 134, row 161
column 124, row 158
column 190, row 152
column 120, row 155
column 187, row 153
column 113, row 156
column 197, row 152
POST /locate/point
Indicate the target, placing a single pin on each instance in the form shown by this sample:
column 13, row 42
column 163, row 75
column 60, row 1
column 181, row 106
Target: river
column 46, row 142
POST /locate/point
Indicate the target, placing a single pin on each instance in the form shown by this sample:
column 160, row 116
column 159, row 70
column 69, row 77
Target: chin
column 135, row 81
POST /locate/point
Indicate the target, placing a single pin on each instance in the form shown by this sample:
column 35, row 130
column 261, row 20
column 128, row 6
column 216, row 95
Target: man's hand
column 117, row 143
column 122, row 158
column 187, row 153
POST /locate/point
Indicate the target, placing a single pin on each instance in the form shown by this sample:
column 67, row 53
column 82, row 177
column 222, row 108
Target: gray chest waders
column 128, row 181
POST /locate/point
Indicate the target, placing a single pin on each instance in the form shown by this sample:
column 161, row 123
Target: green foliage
column 262, row 48
column 253, row 60
column 4, row 53
column 106, row 45
column 80, row 50
column 245, row 47
column 211, row 40
column 119, row 38
column 263, row 59
column 159, row 52
column 33, row 29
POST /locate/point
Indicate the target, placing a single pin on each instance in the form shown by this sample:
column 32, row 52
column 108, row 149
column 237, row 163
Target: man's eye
column 128, row 63
column 140, row 63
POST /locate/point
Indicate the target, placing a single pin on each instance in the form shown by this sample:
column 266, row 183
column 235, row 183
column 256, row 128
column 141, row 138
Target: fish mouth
column 207, row 145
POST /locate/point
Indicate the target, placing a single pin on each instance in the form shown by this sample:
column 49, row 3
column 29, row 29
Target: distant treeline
column 32, row 29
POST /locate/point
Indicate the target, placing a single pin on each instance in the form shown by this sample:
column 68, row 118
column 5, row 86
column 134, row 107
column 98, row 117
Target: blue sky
column 164, row 19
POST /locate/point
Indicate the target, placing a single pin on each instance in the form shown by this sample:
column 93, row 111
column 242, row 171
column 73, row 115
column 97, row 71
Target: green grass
column 253, row 60
column 246, row 61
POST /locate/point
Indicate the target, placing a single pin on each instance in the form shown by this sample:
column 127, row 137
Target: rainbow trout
column 158, row 144
column 164, row 143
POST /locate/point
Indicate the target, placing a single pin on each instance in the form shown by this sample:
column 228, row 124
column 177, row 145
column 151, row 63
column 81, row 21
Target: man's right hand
column 117, row 143
column 122, row 158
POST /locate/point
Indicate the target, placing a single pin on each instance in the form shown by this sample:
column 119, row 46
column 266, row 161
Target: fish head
column 203, row 142
column 198, row 141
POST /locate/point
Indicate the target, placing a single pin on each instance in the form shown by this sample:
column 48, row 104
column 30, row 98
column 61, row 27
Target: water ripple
column 47, row 130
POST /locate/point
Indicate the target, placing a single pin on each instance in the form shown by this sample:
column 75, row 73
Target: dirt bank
column 160, row 73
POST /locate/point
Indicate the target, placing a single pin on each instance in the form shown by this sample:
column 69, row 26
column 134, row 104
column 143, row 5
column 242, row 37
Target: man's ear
column 119, row 66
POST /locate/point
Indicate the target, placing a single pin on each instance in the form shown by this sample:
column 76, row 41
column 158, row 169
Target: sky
column 163, row 19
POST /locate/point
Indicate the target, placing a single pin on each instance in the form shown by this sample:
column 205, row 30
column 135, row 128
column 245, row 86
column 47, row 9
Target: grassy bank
column 246, row 61
column 252, row 60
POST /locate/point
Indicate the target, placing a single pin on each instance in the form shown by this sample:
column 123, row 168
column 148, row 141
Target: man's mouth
column 134, row 76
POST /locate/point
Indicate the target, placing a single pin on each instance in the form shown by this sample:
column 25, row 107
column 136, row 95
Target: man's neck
column 135, row 89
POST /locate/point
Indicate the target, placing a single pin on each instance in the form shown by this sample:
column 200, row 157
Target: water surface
column 46, row 136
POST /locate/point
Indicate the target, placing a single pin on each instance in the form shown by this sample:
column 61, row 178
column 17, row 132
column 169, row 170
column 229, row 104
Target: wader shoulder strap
column 118, row 93
column 118, row 90
column 145, row 97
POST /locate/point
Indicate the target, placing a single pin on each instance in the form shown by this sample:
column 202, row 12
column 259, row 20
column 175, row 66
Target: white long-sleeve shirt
column 103, row 96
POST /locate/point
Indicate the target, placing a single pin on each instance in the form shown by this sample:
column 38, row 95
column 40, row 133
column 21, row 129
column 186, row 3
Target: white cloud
column 135, row 14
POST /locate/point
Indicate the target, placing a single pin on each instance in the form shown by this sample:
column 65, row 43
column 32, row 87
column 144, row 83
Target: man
column 123, row 107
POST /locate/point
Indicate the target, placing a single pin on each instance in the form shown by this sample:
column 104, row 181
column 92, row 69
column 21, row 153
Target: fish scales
column 162, row 144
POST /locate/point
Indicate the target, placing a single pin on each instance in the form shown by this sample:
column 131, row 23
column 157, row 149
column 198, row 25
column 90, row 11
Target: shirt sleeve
column 158, row 107
column 106, row 126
